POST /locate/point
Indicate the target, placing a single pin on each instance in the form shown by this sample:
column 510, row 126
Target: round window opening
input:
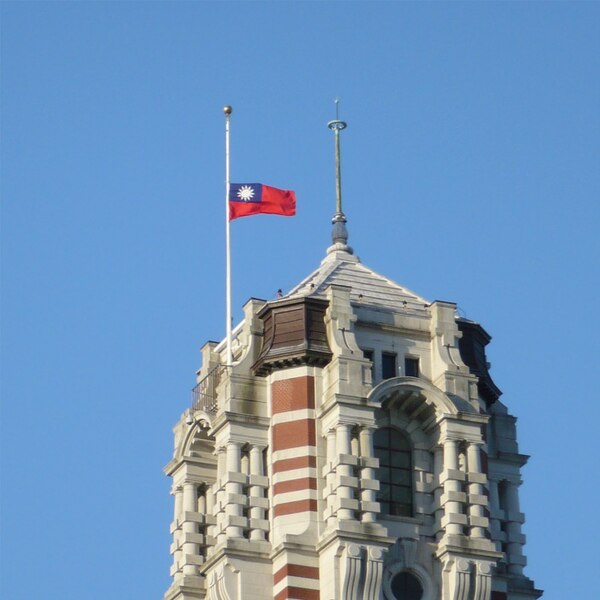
column 405, row 586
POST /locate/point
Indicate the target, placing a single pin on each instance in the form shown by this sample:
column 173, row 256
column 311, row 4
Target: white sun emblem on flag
column 245, row 193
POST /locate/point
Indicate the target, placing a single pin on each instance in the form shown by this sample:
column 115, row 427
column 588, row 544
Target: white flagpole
column 227, row 110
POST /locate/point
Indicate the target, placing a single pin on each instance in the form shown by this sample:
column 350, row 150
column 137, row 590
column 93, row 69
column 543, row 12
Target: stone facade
column 356, row 449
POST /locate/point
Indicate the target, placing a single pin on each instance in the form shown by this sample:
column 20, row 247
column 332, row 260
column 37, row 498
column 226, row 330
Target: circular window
column 405, row 586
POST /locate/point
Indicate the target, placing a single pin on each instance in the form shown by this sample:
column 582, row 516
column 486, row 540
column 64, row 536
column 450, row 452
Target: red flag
column 247, row 199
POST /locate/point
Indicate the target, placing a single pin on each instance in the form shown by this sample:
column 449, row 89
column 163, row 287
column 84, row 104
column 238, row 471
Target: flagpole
column 227, row 110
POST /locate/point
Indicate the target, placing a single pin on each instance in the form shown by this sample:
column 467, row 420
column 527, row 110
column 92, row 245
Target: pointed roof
column 367, row 287
column 341, row 267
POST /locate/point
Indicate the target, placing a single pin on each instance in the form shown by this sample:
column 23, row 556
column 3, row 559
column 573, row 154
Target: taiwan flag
column 247, row 199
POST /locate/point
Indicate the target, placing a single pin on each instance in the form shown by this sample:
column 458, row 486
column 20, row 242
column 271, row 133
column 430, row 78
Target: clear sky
column 470, row 173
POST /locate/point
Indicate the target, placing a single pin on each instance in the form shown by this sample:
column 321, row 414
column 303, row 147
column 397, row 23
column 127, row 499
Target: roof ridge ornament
column 339, row 234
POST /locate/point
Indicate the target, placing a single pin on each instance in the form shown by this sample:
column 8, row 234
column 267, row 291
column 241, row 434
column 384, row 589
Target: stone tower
column 355, row 449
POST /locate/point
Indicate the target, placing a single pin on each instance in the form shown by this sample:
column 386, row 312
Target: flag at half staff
column 247, row 199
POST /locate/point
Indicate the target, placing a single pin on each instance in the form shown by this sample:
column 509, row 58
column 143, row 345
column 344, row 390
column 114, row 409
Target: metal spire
column 339, row 235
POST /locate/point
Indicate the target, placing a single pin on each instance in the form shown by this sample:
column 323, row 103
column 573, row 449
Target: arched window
column 393, row 450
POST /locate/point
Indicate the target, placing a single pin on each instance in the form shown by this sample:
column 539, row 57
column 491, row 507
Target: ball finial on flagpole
column 227, row 109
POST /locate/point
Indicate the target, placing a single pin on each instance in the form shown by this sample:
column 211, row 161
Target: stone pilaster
column 478, row 522
column 191, row 558
column 234, row 500
column 329, row 491
column 369, row 507
column 345, row 481
column 258, row 502
column 453, row 498
column 438, row 468
column 176, row 546
column 514, row 538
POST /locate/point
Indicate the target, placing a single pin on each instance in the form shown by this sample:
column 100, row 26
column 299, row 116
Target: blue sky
column 470, row 174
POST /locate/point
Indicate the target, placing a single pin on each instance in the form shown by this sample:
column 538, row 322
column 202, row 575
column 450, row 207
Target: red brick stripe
column 293, row 394
column 296, row 571
column 294, row 434
column 289, row 508
column 297, row 593
column 298, row 462
column 305, row 483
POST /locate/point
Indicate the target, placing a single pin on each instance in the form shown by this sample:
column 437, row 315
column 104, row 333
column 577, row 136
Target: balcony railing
column 204, row 394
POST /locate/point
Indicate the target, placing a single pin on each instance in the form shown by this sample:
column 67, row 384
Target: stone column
column 515, row 558
column 233, row 490
column 343, row 446
column 330, row 477
column 438, row 467
column 368, row 496
column 201, row 509
column 178, row 493
column 477, row 516
column 210, row 511
column 220, row 494
column 190, row 500
column 177, row 518
column 452, row 489
column 256, row 491
column 202, row 503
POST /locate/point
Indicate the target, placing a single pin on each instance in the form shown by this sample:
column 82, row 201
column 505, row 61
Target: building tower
column 356, row 449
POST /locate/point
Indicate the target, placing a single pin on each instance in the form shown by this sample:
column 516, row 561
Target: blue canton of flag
column 245, row 192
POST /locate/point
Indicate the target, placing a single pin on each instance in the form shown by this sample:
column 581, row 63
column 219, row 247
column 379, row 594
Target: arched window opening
column 405, row 586
column 393, row 450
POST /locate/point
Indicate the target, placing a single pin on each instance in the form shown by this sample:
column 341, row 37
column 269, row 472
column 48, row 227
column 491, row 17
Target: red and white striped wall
column 294, row 482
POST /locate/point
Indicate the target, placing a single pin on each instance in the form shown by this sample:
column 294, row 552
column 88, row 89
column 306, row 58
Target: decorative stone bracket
column 361, row 569
column 224, row 583
column 465, row 578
